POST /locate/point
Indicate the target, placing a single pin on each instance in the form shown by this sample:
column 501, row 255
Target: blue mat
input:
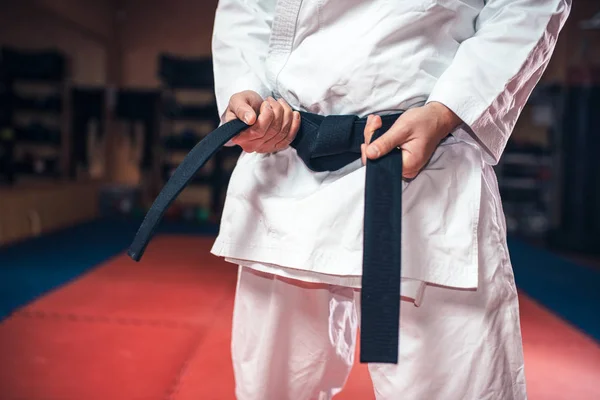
column 34, row 267
column 571, row 291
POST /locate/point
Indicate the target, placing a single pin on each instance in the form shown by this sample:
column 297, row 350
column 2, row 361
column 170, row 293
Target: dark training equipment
column 88, row 104
column 143, row 106
column 579, row 229
column 328, row 144
column 185, row 73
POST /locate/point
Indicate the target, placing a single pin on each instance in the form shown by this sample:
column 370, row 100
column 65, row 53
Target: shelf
column 34, row 66
column 29, row 170
column 544, row 93
column 521, row 183
column 186, row 73
column 134, row 104
column 39, row 149
column 526, row 159
column 51, row 105
column 183, row 82
column 180, row 142
column 38, row 134
column 33, row 118
column 525, row 148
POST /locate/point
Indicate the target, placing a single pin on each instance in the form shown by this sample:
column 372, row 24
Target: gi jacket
column 480, row 58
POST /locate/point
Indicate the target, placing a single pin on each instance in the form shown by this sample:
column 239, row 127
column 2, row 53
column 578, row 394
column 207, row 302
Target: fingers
column 280, row 133
column 276, row 124
column 399, row 135
column 264, row 129
column 273, row 123
column 363, row 154
column 373, row 123
column 293, row 130
column 252, row 137
column 275, row 128
column 412, row 150
column 287, row 139
column 411, row 165
column 265, row 119
column 288, row 116
column 229, row 115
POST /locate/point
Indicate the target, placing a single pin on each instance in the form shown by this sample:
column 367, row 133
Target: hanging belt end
column 134, row 255
column 391, row 358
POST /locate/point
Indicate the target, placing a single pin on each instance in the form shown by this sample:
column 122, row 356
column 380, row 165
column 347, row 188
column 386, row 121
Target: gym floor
column 80, row 320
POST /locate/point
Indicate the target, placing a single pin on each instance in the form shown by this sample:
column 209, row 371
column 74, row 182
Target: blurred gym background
column 100, row 101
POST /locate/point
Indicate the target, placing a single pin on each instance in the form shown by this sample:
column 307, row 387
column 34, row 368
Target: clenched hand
column 417, row 132
column 274, row 128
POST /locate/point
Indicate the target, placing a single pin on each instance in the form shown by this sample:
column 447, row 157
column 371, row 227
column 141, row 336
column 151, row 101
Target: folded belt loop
column 334, row 135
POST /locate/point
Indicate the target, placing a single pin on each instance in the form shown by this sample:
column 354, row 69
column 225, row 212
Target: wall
column 150, row 27
column 95, row 17
column 29, row 212
column 84, row 31
column 59, row 24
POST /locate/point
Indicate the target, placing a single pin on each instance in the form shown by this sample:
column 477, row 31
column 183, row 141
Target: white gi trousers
column 296, row 340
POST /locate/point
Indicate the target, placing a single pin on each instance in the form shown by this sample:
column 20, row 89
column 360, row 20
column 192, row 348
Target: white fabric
column 296, row 341
column 480, row 58
column 278, row 212
column 410, row 289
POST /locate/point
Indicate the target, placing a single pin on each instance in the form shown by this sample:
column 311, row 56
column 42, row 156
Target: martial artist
column 461, row 71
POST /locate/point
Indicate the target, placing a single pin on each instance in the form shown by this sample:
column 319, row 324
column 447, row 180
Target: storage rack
column 33, row 92
column 579, row 226
column 185, row 123
column 143, row 107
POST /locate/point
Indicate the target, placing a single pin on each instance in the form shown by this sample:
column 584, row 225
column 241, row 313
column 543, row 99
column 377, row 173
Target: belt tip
column 379, row 360
column 135, row 256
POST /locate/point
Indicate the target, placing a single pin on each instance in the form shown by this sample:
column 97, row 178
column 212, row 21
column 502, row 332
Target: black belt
column 328, row 144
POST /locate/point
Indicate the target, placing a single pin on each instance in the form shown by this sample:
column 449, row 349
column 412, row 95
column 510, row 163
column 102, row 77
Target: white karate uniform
column 284, row 224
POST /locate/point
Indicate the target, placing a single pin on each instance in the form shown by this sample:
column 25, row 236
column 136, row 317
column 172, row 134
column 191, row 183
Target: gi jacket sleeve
column 494, row 71
column 239, row 46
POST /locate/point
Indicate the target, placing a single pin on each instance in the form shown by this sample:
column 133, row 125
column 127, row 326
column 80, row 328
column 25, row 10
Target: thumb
column 388, row 141
column 245, row 105
column 382, row 145
column 245, row 113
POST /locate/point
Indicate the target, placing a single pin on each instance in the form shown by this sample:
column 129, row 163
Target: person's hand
column 274, row 128
column 417, row 132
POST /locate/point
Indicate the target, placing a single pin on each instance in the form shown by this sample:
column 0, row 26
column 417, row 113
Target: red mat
column 57, row 357
column 160, row 329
